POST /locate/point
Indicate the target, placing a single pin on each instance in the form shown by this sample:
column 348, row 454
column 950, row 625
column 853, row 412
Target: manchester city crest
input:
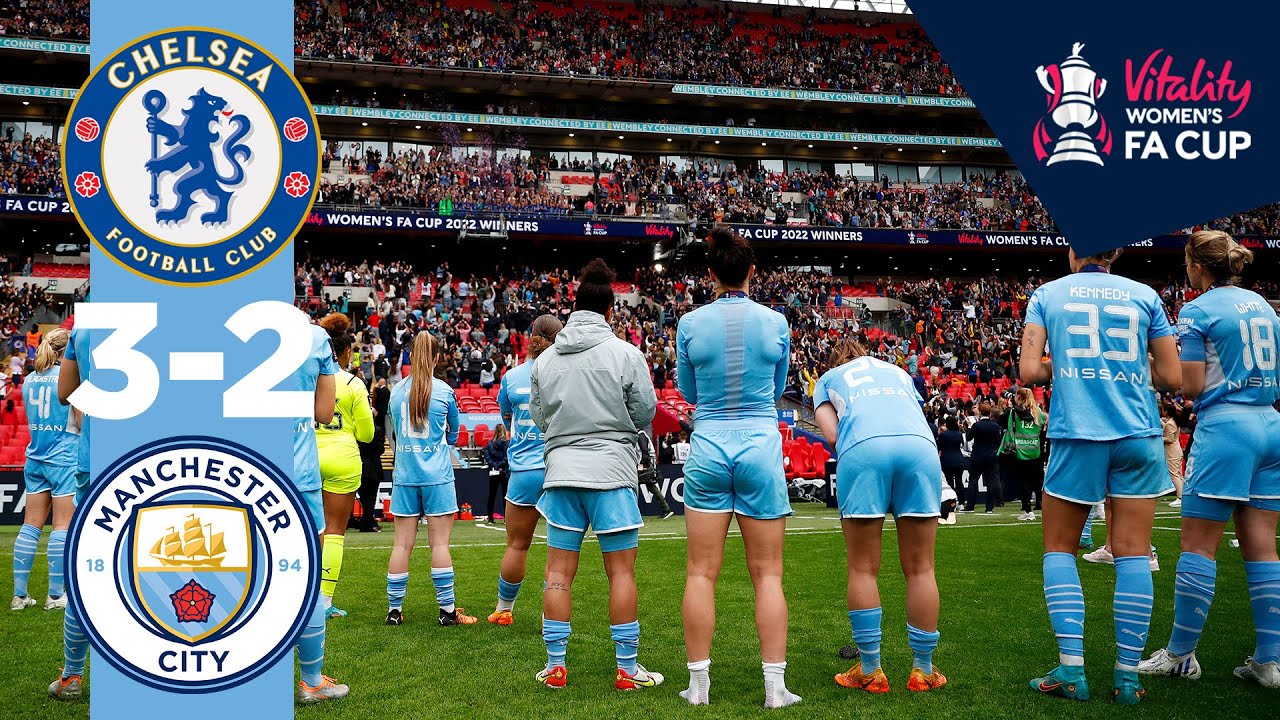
column 198, row 560
column 193, row 156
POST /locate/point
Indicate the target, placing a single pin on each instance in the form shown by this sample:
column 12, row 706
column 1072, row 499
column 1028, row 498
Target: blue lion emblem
column 192, row 148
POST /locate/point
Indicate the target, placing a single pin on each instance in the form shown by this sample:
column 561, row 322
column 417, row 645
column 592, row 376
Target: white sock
column 327, row 601
column 776, row 694
column 506, row 604
column 699, row 692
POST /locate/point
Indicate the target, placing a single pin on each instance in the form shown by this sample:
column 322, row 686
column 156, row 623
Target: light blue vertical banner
column 192, row 319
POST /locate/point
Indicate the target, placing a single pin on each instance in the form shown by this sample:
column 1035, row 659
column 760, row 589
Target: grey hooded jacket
column 591, row 393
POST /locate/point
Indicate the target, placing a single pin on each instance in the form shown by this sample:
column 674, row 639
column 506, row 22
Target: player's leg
column 708, row 510
column 862, row 540
column 706, row 535
column 406, row 509
column 1256, row 527
column 337, row 512
column 314, row 686
column 63, row 508
column 916, row 539
column 1063, row 522
column 915, row 492
column 1129, row 534
column 28, row 541
column 764, row 540
column 439, row 532
column 557, row 602
column 75, row 651
column 864, row 479
column 615, row 516
column 523, row 490
column 1203, row 522
column 521, row 522
column 406, row 534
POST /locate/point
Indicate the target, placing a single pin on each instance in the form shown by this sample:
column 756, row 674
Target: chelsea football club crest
column 192, row 156
column 197, row 558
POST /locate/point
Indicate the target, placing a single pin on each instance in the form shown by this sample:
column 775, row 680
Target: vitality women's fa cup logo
column 1074, row 89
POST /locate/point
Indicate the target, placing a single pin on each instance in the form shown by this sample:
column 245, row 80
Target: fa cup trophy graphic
column 1074, row 89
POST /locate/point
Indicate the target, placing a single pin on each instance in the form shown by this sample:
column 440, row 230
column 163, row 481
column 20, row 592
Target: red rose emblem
column 191, row 602
column 88, row 184
column 297, row 184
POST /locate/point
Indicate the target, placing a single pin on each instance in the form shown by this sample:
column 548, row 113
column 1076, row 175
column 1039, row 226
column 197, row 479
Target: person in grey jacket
column 590, row 395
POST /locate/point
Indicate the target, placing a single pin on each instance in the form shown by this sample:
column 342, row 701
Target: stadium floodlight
column 717, row 142
column 364, row 124
column 570, row 134
column 811, row 145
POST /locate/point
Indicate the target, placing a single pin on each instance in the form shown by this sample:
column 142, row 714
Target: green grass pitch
column 995, row 635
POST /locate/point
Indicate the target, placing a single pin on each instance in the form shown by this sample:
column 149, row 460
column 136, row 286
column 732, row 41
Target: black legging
column 955, row 478
column 1027, row 476
column 983, row 467
column 497, row 490
column 370, row 480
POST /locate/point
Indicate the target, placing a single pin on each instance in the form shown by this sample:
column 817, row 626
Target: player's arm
column 685, row 380
column 68, row 380
column 535, row 402
column 454, row 421
column 642, row 403
column 1166, row 369
column 326, row 392
column 504, row 402
column 828, row 422
column 784, row 365
column 1032, row 368
column 1192, row 379
column 362, row 416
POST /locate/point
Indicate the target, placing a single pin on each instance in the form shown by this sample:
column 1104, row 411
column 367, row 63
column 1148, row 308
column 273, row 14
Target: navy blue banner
column 957, row 238
column 1128, row 119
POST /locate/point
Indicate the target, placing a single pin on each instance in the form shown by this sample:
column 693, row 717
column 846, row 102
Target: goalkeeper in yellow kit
column 340, row 466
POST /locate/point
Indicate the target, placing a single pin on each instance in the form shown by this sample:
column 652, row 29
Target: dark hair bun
column 598, row 273
column 336, row 324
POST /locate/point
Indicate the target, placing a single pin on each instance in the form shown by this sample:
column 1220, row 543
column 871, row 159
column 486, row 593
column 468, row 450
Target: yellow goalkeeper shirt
column 352, row 421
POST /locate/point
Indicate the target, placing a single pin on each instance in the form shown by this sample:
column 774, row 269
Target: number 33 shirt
column 1098, row 327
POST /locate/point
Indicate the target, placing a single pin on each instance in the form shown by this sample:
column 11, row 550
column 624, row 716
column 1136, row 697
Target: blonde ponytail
column 51, row 348
column 422, row 369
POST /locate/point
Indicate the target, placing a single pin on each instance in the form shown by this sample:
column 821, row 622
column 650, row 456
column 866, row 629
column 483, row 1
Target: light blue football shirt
column 78, row 351
column 1232, row 331
column 1099, row 326
column 47, row 420
column 306, row 455
column 873, row 399
column 731, row 362
column 527, row 448
column 424, row 456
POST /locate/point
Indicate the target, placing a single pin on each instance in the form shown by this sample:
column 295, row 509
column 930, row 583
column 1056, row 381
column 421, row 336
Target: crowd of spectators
column 58, row 19
column 436, row 180
column 708, row 190
column 677, row 42
column 30, row 165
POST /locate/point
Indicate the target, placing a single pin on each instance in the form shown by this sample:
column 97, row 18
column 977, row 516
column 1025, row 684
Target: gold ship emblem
column 197, row 545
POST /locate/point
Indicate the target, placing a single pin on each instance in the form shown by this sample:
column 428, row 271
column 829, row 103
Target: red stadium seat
column 482, row 436
column 464, row 438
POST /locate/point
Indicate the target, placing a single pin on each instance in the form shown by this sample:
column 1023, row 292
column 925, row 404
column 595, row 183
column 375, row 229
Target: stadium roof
column 884, row 6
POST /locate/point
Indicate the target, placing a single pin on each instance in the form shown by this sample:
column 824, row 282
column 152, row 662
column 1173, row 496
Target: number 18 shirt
column 1098, row 327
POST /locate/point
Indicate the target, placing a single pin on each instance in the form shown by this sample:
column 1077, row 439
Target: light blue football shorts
column 737, row 471
column 1088, row 471
column 420, row 500
column 57, row 480
column 525, row 487
column 898, row 474
column 1235, row 459
column 613, row 514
